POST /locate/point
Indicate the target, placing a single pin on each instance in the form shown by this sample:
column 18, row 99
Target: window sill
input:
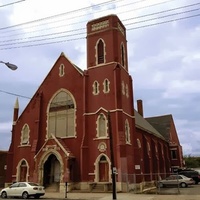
column 101, row 138
column 24, row 145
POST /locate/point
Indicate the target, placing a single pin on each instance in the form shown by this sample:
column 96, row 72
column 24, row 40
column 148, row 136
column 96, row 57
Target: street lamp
column 9, row 65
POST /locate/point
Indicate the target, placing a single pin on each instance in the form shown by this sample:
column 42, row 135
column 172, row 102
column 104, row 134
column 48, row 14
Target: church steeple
column 106, row 42
column 16, row 111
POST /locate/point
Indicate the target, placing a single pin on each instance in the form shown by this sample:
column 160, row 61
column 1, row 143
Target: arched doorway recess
column 51, row 171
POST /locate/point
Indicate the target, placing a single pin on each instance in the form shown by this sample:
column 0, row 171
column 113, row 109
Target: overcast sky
column 163, row 52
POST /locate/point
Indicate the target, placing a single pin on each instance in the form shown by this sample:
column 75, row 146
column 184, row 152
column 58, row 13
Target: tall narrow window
column 122, row 55
column 123, row 88
column 95, row 88
column 100, row 52
column 101, row 126
column 138, row 143
column 127, row 132
column 174, row 154
column 25, row 134
column 62, row 70
column 106, row 86
column 127, row 91
column 61, row 121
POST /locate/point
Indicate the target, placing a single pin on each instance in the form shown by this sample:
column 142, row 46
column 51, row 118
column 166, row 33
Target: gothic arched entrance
column 103, row 169
column 23, row 171
column 51, row 171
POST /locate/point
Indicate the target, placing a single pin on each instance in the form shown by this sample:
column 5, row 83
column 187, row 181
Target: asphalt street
column 189, row 193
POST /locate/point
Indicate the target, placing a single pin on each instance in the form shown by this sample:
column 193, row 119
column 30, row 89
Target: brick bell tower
column 106, row 42
column 108, row 87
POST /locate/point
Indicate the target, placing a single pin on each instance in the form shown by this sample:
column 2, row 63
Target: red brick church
column 63, row 135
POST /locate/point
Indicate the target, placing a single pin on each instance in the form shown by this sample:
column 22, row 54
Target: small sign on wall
column 137, row 166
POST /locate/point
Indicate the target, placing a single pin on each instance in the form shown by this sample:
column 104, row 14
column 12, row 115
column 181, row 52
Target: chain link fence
column 154, row 183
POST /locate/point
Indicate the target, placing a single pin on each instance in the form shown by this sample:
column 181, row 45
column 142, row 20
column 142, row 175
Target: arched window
column 127, row 91
column 62, row 70
column 127, row 132
column 148, row 148
column 138, row 143
column 122, row 55
column 106, row 86
column 95, row 88
column 101, row 126
column 61, row 121
column 123, row 88
column 100, row 52
column 25, row 135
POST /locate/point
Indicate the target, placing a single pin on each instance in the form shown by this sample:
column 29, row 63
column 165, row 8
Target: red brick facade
column 63, row 133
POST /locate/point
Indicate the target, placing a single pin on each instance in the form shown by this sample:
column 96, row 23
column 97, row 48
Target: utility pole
column 113, row 168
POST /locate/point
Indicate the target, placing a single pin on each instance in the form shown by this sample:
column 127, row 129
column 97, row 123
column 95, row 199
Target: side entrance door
column 103, row 170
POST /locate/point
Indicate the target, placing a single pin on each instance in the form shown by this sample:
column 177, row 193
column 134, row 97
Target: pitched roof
column 142, row 123
column 60, row 143
column 75, row 66
column 161, row 124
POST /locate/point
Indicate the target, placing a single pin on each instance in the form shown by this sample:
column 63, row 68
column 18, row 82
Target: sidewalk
column 120, row 196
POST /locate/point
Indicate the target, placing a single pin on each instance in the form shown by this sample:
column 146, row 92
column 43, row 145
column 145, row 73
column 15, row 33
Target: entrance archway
column 51, row 171
column 103, row 169
column 23, row 171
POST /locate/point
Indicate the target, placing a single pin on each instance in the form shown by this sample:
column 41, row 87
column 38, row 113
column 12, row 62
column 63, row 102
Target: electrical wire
column 155, row 13
column 76, row 32
column 83, row 33
column 164, row 22
column 58, row 15
column 8, row 4
column 148, row 6
column 14, row 94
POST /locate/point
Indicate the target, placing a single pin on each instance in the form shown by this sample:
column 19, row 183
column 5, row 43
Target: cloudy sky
column 163, row 50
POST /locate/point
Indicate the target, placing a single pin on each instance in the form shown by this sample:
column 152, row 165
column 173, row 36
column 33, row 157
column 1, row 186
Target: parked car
column 195, row 175
column 176, row 180
column 24, row 190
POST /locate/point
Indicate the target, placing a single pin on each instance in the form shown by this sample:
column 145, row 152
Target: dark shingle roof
column 161, row 124
column 142, row 123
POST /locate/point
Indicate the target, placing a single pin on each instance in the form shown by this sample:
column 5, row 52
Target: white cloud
column 5, row 126
column 180, row 88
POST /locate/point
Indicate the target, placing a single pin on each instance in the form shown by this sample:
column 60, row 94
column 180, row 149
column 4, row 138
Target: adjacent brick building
column 3, row 166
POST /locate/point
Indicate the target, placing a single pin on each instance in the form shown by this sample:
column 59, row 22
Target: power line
column 160, row 17
column 163, row 11
column 43, row 39
column 159, row 23
column 82, row 33
column 69, row 12
column 24, row 38
column 74, row 30
column 77, row 32
column 8, row 4
column 58, row 33
column 14, row 94
column 41, row 44
column 148, row 6
column 134, row 28
column 63, row 36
